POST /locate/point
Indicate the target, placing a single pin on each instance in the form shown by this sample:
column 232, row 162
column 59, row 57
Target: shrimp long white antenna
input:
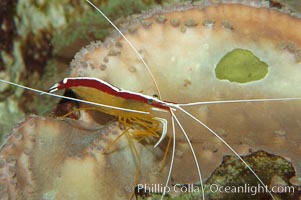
column 193, row 152
column 240, row 101
column 73, row 99
column 131, row 45
column 221, row 139
column 172, row 156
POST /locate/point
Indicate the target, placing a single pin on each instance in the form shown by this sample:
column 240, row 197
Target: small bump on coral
column 175, row 22
column 19, row 136
column 11, row 159
column 133, row 28
column 141, row 51
column 99, row 148
column 292, row 48
column 132, row 69
column 208, row 23
column 191, row 23
column 146, row 23
column 187, row 83
column 106, row 59
column 103, row 67
column 91, row 66
column 183, row 29
column 161, row 19
column 114, row 52
column 227, row 25
column 298, row 55
column 91, row 46
column 12, row 171
column 118, row 44
column 32, row 123
column 26, row 151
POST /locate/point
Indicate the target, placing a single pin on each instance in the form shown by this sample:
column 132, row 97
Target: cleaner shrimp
column 143, row 105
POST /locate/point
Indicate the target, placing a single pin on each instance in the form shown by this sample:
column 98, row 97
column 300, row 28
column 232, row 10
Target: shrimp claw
column 164, row 131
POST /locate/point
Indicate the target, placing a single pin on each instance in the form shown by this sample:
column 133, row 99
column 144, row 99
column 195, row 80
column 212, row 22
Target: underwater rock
column 274, row 170
column 232, row 180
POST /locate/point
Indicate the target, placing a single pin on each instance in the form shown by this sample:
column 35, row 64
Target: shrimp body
column 96, row 90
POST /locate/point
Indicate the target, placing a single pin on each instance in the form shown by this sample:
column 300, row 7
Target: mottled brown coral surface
column 182, row 44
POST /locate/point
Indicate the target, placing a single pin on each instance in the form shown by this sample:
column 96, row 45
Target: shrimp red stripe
column 109, row 89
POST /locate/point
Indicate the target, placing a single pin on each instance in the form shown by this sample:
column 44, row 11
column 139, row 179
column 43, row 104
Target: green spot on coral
column 241, row 66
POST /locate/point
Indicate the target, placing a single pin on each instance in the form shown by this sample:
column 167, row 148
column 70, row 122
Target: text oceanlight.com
column 213, row 188
column 250, row 189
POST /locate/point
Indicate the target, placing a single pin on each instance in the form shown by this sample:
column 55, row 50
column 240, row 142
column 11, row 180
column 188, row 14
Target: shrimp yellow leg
column 138, row 170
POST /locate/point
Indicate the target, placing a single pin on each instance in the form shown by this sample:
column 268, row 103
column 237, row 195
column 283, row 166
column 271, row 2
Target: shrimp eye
column 155, row 96
column 150, row 101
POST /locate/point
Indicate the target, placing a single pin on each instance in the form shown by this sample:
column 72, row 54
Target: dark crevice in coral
column 2, row 67
column 36, row 51
column 7, row 27
column 26, row 102
column 275, row 4
column 6, row 93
